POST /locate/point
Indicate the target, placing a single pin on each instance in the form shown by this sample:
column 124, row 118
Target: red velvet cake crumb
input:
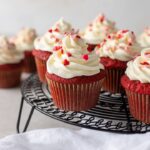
column 113, row 63
column 135, row 85
column 82, row 79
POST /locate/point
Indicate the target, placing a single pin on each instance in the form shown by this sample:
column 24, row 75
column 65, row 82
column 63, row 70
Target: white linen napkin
column 67, row 139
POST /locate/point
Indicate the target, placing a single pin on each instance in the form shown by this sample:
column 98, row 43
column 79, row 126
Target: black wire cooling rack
column 110, row 114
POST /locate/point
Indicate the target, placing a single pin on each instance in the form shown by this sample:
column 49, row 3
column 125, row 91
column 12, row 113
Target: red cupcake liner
column 74, row 96
column 41, row 69
column 29, row 63
column 112, row 81
column 41, row 58
column 139, row 105
column 10, row 75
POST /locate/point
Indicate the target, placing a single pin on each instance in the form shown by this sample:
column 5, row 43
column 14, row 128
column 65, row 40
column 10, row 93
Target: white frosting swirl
column 97, row 31
column 139, row 68
column 24, row 40
column 73, row 59
column 144, row 38
column 121, row 46
column 8, row 52
column 53, row 36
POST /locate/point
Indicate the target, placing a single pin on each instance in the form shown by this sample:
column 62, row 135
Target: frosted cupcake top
column 139, row 68
column 8, row 52
column 144, row 38
column 73, row 59
column 24, row 40
column 121, row 46
column 97, row 31
column 53, row 36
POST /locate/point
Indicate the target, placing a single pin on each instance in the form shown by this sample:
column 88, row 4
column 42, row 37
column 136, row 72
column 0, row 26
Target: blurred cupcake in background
column 137, row 85
column 115, row 51
column 24, row 42
column 74, row 75
column 98, row 30
column 11, row 63
column 144, row 38
column 44, row 46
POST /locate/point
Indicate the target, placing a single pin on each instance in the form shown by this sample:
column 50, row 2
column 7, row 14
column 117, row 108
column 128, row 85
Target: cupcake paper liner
column 112, row 82
column 139, row 105
column 29, row 63
column 41, row 58
column 10, row 77
column 41, row 69
column 74, row 96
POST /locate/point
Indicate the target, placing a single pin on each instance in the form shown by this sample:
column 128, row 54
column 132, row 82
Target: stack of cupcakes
column 76, row 66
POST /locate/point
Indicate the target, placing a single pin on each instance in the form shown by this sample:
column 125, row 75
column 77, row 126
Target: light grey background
column 41, row 14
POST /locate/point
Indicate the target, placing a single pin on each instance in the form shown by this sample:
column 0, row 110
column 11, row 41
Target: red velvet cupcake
column 74, row 75
column 24, row 42
column 10, row 64
column 44, row 46
column 137, row 85
column 98, row 30
column 115, row 52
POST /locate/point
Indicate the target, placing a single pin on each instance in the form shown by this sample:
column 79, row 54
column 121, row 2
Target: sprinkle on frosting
column 98, row 30
column 139, row 68
column 54, row 36
column 85, row 57
column 66, row 62
column 121, row 45
column 73, row 59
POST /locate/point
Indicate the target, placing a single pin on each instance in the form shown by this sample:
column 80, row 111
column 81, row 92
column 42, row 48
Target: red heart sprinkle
column 56, row 48
column 90, row 49
column 130, row 44
column 104, row 40
column 125, row 31
column 69, row 54
column 101, row 19
column 119, row 36
column 56, row 30
column 62, row 51
column 109, row 37
column 99, row 45
column 56, row 40
column 50, row 30
column 144, row 63
column 85, row 57
column 77, row 36
column 66, row 62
